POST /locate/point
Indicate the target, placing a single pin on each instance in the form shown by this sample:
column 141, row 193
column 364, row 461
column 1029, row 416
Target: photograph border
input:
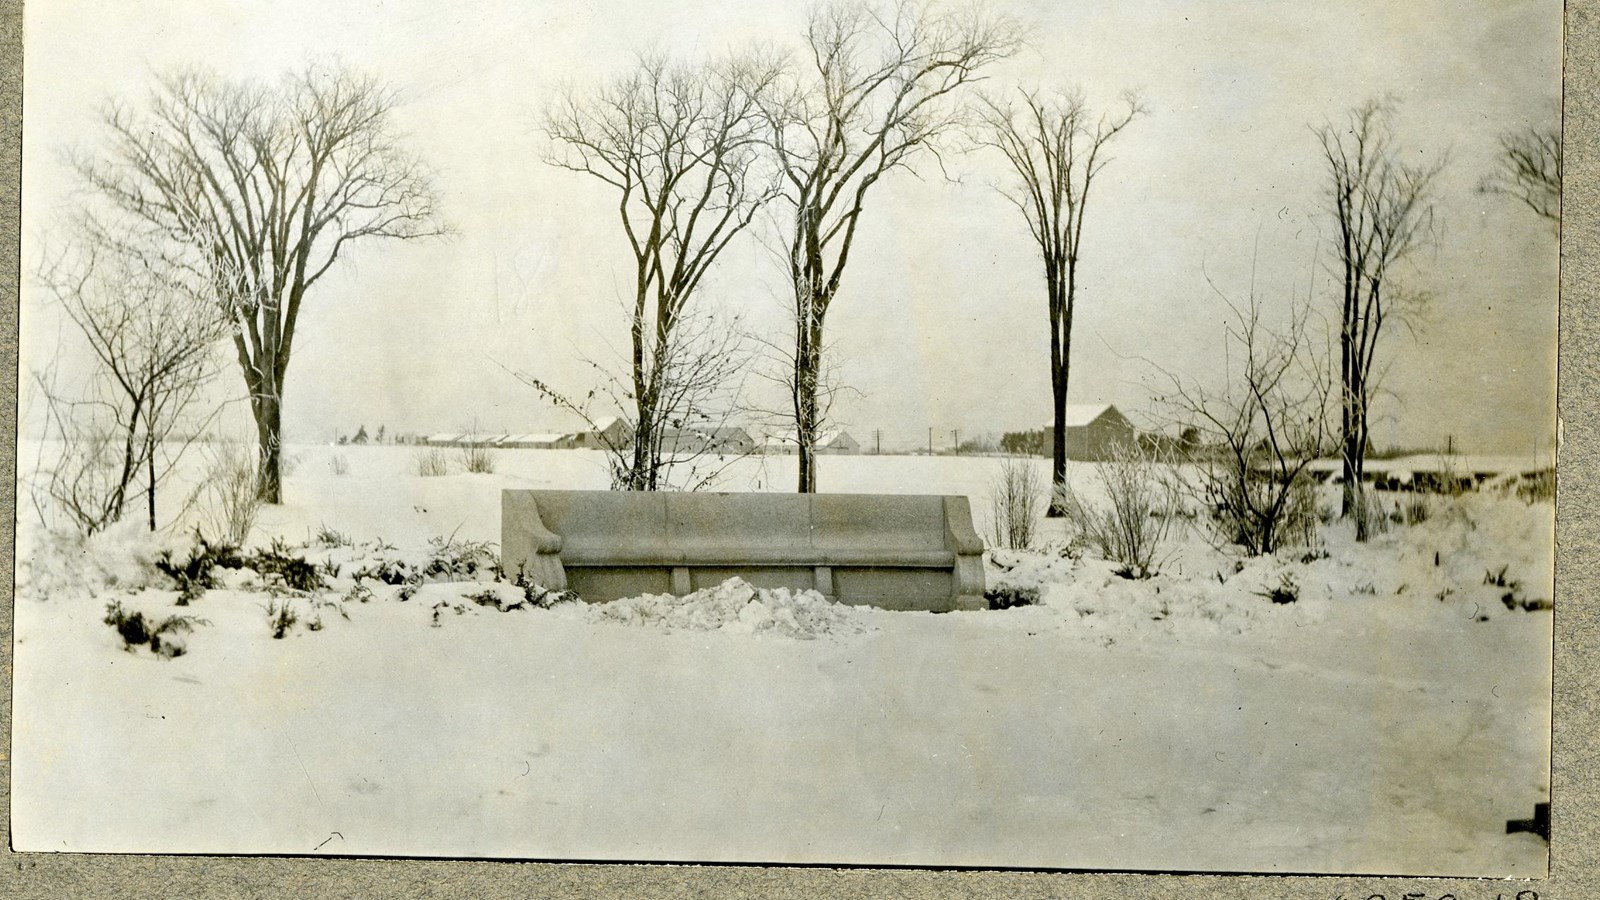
column 1575, row 781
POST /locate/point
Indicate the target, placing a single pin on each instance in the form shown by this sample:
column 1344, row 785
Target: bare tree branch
column 1056, row 147
column 876, row 94
column 261, row 189
column 1382, row 209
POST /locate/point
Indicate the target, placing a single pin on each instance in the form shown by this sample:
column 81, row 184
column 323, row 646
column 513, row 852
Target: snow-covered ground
column 1391, row 719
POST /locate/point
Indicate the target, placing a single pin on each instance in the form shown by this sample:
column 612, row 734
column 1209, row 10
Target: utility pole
column 930, row 440
column 877, row 442
column 955, row 439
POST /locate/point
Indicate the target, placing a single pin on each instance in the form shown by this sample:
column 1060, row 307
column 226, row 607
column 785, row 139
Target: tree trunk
column 1058, row 442
column 1346, row 418
column 807, row 364
column 150, row 485
column 269, row 429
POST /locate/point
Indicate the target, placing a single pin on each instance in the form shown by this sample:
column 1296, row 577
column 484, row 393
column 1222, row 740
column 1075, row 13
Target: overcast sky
column 941, row 318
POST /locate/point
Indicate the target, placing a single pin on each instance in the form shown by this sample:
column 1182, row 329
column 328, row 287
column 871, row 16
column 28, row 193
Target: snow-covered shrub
column 163, row 639
column 1014, row 503
column 1539, row 487
column 1286, row 591
column 450, row 559
column 227, row 497
column 1416, row 509
column 478, row 458
column 191, row 569
column 1009, row 596
column 1371, row 516
column 329, row 537
column 1143, row 502
column 339, row 464
column 431, row 462
column 279, row 560
column 281, row 616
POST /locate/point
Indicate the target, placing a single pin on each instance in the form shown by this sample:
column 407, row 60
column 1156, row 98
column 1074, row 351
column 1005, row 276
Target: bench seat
column 896, row 551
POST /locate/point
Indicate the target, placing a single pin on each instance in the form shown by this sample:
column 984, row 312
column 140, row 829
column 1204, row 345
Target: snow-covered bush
column 1372, row 518
column 451, row 559
column 191, row 568
column 431, row 462
column 1014, row 503
column 1131, row 531
column 478, row 458
column 1006, row 596
column 339, row 464
column 281, row 616
column 163, row 639
column 227, row 497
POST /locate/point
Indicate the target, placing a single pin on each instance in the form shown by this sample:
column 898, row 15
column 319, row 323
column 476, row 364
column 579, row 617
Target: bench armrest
column 544, row 540
column 958, row 533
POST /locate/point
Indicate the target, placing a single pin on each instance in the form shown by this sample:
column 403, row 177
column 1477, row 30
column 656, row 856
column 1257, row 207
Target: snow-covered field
column 1391, row 719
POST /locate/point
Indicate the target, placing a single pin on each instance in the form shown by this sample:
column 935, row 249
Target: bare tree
column 1258, row 433
column 266, row 187
column 1382, row 209
column 682, row 146
column 874, row 98
column 1528, row 169
column 151, row 336
column 1055, row 146
column 697, row 376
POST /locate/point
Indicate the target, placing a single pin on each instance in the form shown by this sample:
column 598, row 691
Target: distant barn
column 607, row 433
column 1095, row 431
column 727, row 439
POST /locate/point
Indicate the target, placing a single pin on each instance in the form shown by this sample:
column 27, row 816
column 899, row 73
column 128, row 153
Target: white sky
column 941, row 319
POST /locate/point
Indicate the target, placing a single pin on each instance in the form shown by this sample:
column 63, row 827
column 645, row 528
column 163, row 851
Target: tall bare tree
column 151, row 335
column 266, row 186
column 873, row 95
column 1382, row 210
column 682, row 147
column 1528, row 169
column 1055, row 145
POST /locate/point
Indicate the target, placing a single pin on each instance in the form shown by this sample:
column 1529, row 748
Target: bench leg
column 681, row 583
column 824, row 581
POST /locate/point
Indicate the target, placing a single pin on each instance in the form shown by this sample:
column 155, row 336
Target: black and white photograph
column 1098, row 435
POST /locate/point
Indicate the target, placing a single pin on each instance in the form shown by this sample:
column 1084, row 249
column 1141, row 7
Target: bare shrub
column 1014, row 503
column 431, row 462
column 1371, row 516
column 150, row 330
column 1143, row 499
column 478, row 458
column 339, row 464
column 1416, row 509
column 1259, row 433
column 228, row 497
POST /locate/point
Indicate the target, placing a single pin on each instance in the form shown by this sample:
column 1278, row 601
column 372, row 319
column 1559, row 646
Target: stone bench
column 885, row 550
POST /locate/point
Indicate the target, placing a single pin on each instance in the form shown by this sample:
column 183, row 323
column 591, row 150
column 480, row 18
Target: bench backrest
column 613, row 526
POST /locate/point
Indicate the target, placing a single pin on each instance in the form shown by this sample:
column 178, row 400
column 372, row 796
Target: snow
column 1390, row 720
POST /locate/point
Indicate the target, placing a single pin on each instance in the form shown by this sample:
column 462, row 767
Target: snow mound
column 66, row 564
column 736, row 607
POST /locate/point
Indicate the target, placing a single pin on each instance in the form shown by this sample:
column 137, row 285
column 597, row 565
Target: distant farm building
column 534, row 441
column 1095, row 431
column 1437, row 472
column 833, row 440
column 610, row 432
column 727, row 440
